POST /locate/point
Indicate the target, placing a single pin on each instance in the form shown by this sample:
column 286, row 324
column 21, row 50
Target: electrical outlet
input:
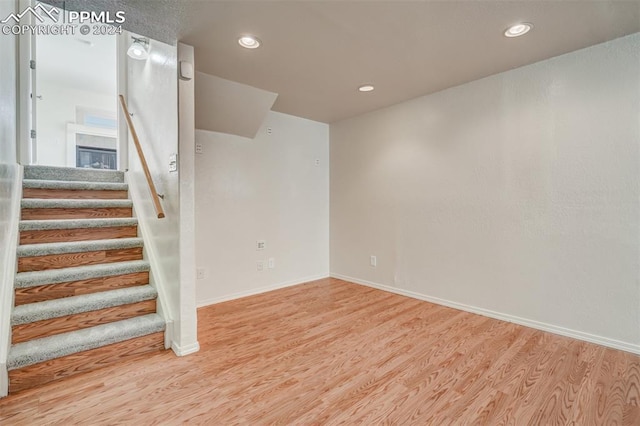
column 200, row 273
column 317, row 162
column 272, row 263
column 373, row 261
column 199, row 149
column 269, row 131
column 261, row 245
column 260, row 266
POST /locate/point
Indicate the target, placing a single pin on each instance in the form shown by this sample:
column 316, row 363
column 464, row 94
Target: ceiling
column 316, row 53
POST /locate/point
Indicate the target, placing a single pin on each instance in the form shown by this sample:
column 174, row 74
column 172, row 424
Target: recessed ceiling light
column 249, row 42
column 366, row 88
column 518, row 29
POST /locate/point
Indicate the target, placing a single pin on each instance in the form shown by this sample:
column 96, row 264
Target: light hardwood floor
column 331, row 352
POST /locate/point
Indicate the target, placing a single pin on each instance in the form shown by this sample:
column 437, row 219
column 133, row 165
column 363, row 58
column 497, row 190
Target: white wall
column 58, row 108
column 9, row 188
column 267, row 188
column 226, row 106
column 153, row 100
column 516, row 195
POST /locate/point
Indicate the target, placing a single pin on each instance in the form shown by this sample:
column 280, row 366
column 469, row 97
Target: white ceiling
column 316, row 53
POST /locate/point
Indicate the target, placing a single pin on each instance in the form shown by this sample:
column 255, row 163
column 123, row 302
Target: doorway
column 74, row 112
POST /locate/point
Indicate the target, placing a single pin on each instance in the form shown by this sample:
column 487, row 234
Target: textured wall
column 516, row 194
column 267, row 188
column 153, row 100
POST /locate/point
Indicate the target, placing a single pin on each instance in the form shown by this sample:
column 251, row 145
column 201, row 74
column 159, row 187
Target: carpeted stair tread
column 72, row 174
column 29, row 250
column 47, row 348
column 74, row 185
column 40, row 225
column 40, row 311
column 55, row 203
column 55, row 276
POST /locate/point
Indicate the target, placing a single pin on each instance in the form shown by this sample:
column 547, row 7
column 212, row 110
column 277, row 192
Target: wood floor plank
column 67, row 260
column 76, row 288
column 77, row 234
column 34, row 330
column 331, row 352
column 74, row 194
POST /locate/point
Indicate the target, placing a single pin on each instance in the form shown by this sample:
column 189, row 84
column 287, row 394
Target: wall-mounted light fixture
column 139, row 49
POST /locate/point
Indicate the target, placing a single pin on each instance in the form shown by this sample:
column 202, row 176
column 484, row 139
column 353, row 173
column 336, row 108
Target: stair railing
column 152, row 188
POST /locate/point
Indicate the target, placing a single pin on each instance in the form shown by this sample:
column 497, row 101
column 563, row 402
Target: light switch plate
column 186, row 70
column 173, row 163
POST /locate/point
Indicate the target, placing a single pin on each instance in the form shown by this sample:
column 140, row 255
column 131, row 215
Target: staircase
column 82, row 293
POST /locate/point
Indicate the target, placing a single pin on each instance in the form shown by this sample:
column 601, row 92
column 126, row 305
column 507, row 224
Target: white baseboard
column 4, row 380
column 185, row 350
column 600, row 340
column 168, row 334
column 260, row 290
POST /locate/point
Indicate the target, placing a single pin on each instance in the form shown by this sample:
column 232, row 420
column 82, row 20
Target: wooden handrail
column 143, row 161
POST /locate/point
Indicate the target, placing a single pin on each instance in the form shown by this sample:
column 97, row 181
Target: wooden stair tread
column 71, row 213
column 72, row 174
column 64, row 260
column 81, row 362
column 30, row 279
column 84, row 303
column 36, row 257
column 77, row 234
column 51, row 193
column 74, row 184
column 47, row 348
column 45, row 292
column 76, row 246
column 40, row 225
column 34, row 330
column 33, row 209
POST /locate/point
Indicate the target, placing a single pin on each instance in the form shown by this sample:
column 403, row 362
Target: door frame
column 26, row 86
